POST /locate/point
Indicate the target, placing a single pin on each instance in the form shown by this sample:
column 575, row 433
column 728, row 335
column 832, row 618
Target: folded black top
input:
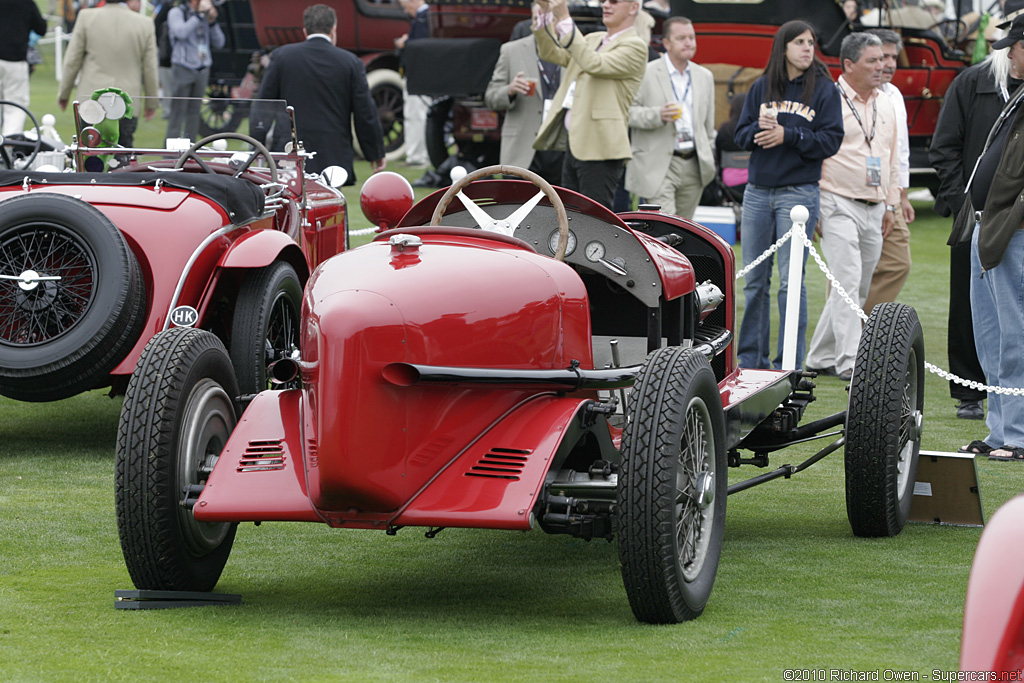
column 241, row 199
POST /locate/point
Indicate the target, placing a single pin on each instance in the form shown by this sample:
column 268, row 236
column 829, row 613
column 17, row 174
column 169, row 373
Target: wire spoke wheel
column 694, row 481
column 265, row 326
column 672, row 488
column 58, row 285
column 72, row 297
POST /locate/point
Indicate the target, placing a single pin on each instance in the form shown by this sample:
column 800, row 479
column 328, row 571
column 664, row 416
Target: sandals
column 1007, row 453
column 976, row 447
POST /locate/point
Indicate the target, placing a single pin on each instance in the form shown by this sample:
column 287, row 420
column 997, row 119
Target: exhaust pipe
column 569, row 379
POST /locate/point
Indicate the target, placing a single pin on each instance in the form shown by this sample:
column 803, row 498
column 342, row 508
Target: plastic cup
column 531, row 87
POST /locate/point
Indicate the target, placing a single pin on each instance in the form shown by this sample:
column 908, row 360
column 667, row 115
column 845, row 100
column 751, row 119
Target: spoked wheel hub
column 695, row 480
column 55, row 276
column 911, row 425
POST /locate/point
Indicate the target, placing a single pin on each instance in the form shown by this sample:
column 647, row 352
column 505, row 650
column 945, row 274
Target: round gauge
column 594, row 251
column 569, row 247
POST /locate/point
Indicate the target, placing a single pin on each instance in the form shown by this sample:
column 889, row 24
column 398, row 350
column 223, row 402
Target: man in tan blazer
column 588, row 114
column 521, row 89
column 673, row 126
column 112, row 47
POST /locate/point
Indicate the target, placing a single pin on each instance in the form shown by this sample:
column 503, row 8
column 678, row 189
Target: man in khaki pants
column 894, row 264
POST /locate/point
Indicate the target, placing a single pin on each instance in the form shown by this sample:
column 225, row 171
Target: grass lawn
column 795, row 589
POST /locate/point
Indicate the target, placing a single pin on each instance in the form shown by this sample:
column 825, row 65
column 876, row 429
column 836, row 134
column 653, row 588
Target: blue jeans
column 997, row 310
column 765, row 219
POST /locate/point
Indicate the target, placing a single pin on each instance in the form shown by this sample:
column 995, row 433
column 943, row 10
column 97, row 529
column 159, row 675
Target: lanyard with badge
column 548, row 88
column 203, row 42
column 874, row 164
column 684, row 124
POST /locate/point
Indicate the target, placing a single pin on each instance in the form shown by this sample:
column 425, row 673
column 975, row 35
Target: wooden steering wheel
column 506, row 226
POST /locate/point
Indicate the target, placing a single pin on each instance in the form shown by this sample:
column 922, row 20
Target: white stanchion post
column 58, row 52
column 799, row 215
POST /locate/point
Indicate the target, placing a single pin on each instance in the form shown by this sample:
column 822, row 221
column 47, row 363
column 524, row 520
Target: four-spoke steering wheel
column 7, row 145
column 506, row 226
column 258, row 151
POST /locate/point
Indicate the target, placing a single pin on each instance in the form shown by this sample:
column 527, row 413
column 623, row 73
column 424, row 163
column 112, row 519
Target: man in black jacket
column 969, row 109
column 328, row 88
column 19, row 18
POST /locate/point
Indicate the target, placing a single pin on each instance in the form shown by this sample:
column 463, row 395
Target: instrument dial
column 570, row 246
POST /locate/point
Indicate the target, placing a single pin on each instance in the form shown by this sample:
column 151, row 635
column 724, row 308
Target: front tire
column 884, row 421
column 265, row 325
column 672, row 488
column 178, row 412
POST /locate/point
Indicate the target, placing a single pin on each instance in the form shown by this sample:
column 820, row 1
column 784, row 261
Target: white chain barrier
column 798, row 232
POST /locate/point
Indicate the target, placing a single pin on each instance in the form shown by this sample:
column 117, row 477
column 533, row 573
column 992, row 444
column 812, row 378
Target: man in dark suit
column 328, row 88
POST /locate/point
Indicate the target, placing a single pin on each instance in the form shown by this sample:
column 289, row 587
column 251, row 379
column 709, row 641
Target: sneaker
column 970, row 410
column 846, row 375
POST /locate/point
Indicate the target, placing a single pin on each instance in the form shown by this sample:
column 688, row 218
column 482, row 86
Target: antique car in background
column 733, row 40
column 95, row 262
column 469, row 368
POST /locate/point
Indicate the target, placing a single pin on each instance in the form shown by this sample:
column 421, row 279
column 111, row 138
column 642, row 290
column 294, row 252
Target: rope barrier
column 809, row 245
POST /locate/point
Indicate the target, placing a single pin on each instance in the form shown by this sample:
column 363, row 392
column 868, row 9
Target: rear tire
column 387, row 92
column 672, row 487
column 61, row 337
column 178, row 412
column 265, row 325
column 439, row 131
column 884, row 421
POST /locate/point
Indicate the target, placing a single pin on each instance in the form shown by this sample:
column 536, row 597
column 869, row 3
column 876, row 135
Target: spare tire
column 72, row 297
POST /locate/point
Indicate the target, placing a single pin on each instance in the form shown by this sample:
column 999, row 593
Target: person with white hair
column 970, row 108
column 588, row 117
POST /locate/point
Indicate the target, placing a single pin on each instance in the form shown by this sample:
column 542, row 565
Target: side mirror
column 335, row 176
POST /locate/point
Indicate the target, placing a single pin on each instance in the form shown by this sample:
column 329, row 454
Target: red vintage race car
column 137, row 240
column 993, row 635
column 453, row 376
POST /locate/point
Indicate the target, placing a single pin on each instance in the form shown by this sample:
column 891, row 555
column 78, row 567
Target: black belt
column 866, row 202
column 684, row 154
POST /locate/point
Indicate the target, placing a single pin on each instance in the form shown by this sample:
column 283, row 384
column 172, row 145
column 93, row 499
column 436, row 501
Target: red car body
column 993, row 636
column 457, row 377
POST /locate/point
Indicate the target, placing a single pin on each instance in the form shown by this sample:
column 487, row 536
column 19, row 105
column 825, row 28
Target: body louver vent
column 500, row 463
column 262, row 455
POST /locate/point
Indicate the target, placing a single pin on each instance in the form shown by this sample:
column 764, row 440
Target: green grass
column 795, row 589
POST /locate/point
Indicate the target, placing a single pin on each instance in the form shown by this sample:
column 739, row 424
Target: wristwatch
column 890, row 207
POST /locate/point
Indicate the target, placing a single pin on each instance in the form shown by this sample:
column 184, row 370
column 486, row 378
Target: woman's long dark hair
column 776, row 72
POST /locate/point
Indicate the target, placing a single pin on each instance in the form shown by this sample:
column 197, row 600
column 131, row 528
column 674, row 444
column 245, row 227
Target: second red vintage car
column 138, row 240
column 468, row 367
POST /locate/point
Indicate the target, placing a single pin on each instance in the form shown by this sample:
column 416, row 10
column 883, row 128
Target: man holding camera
column 194, row 34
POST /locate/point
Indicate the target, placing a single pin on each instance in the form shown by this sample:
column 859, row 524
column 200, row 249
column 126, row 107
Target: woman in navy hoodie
column 791, row 122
